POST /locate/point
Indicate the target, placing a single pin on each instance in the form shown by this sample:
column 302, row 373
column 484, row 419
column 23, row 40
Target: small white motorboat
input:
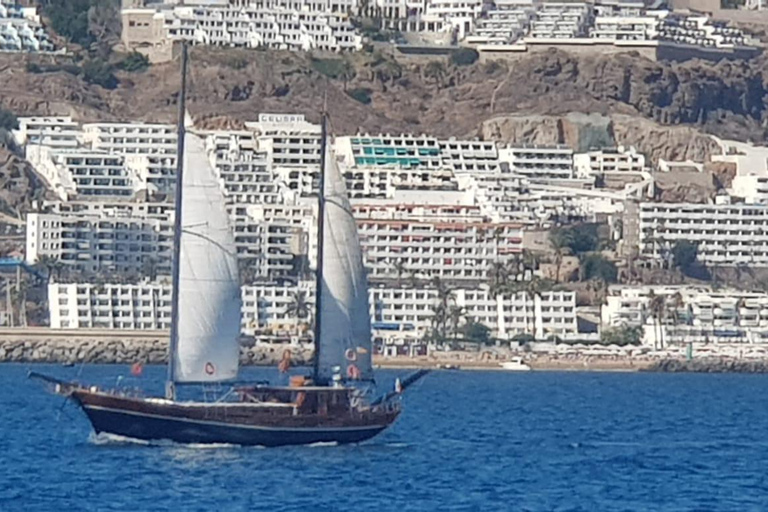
column 516, row 364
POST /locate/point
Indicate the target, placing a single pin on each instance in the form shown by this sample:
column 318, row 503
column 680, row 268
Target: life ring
column 350, row 354
column 209, row 368
column 353, row 372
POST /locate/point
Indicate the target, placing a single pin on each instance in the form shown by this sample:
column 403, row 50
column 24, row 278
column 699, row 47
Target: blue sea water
column 466, row 441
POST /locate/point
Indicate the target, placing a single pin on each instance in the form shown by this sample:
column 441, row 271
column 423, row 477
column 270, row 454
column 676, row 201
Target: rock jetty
column 121, row 351
column 709, row 365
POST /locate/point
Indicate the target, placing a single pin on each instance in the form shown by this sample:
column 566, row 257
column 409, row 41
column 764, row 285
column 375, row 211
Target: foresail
column 345, row 337
column 209, row 292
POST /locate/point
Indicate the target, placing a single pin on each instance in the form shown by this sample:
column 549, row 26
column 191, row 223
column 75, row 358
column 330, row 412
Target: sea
column 467, row 441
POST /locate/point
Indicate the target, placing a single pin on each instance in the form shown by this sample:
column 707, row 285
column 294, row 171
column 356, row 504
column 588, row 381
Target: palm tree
column 149, row 267
column 52, row 265
column 441, row 310
column 399, row 267
column 561, row 244
column 455, row 314
column 298, row 307
column 435, row 71
column 497, row 278
column 657, row 307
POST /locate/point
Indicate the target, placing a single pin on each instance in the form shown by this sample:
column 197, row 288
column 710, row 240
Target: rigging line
column 208, row 239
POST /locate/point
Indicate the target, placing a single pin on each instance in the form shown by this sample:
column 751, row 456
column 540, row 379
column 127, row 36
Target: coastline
column 45, row 346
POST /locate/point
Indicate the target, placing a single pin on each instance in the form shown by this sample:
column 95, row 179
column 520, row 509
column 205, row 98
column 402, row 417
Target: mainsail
column 345, row 335
column 207, row 349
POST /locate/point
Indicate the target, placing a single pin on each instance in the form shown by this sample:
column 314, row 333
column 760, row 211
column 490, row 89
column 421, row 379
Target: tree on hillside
column 435, row 71
column 8, row 120
column 684, row 254
column 595, row 266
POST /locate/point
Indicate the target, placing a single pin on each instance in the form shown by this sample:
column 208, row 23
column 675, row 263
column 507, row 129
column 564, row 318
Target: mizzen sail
column 345, row 335
column 207, row 349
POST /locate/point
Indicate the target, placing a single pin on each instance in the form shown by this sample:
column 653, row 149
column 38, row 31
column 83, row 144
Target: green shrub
column 464, row 56
column 361, row 94
column 69, row 18
column 338, row 69
column 8, row 120
column 134, row 62
column 99, row 72
column 596, row 266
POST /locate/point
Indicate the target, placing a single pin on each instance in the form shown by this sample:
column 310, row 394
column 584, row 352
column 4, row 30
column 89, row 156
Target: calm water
column 467, row 441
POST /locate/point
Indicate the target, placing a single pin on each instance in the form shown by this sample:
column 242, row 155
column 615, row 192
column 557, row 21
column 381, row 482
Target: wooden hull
column 231, row 423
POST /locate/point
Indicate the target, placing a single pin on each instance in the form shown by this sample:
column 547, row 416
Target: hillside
column 638, row 97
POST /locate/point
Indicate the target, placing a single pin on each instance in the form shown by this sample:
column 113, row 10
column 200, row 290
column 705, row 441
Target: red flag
column 136, row 369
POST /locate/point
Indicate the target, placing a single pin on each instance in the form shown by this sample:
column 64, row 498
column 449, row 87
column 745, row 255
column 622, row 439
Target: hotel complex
column 432, row 215
column 504, row 26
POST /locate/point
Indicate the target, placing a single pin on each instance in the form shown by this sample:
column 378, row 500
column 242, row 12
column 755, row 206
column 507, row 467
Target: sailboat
column 333, row 404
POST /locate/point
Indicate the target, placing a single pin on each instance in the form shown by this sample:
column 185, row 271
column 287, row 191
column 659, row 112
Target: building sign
column 281, row 118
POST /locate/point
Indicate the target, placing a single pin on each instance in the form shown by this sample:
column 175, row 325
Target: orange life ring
column 353, row 372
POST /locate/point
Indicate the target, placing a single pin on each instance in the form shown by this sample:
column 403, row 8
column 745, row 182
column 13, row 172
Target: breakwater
column 121, row 351
column 709, row 365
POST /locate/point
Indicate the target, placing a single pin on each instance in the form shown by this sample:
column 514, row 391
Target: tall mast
column 170, row 387
column 320, row 241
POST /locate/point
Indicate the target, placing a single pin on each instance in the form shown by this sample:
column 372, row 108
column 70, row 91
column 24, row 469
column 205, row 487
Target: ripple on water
column 466, row 441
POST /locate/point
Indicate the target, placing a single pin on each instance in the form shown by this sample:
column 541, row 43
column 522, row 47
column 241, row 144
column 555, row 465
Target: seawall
column 709, row 365
column 120, row 351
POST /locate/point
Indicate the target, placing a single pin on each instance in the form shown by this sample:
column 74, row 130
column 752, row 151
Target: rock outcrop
column 709, row 365
column 409, row 95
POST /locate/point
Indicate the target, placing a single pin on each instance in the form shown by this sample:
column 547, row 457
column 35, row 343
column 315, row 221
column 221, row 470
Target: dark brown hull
column 231, row 423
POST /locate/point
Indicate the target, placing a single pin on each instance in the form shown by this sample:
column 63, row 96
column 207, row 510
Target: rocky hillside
column 636, row 99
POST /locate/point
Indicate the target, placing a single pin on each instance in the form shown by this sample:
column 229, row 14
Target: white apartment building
column 618, row 160
column 691, row 314
column 82, row 173
column 726, row 234
column 149, row 150
column 446, row 242
column 538, row 162
column 625, row 28
column 396, row 313
column 701, row 31
column 279, row 24
column 145, row 306
column 113, row 238
column 408, row 312
column 55, row 132
column 560, row 20
column 21, row 29
column 505, row 23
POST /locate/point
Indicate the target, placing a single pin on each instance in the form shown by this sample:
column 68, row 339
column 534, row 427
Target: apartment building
column 692, row 314
column 538, row 162
column 149, row 150
column 701, row 31
column 450, row 243
column 505, row 23
column 409, row 312
column 21, row 29
column 82, row 173
column 396, row 313
column 618, row 160
column 119, row 238
column 279, row 24
column 726, row 234
column 560, row 20
column 145, row 306
column 56, row 132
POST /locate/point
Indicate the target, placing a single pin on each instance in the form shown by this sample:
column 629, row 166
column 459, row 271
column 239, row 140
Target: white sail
column 209, row 293
column 345, row 323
